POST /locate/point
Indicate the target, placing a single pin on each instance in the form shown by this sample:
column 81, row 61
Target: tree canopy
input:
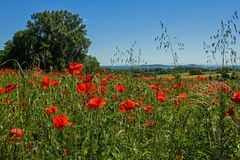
column 51, row 39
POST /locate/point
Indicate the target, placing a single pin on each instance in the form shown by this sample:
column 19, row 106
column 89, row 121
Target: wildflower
column 96, row 102
column 126, row 105
column 88, row 78
column 6, row 70
column 175, row 86
column 45, row 82
column 147, row 109
column 104, row 81
column 96, row 74
column 35, row 75
column 51, row 109
column 120, row 88
column 138, row 103
column 64, row 91
column 176, row 103
column 148, row 124
column 225, row 88
column 75, row 68
column 230, row 111
column 60, row 121
column 85, row 88
column 81, row 88
column 103, row 90
column 161, row 97
column 1, row 90
column 10, row 87
column 153, row 87
column 236, row 97
column 181, row 83
column 114, row 96
column 54, row 83
column 15, row 135
column 147, row 78
column 182, row 96
column 166, row 90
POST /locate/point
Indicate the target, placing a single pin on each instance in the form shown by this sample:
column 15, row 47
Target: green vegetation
column 52, row 39
column 142, row 71
column 107, row 116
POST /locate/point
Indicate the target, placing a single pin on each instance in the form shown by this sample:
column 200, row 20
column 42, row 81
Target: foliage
column 2, row 54
column 91, row 64
column 79, row 116
column 195, row 72
column 51, row 39
column 144, row 71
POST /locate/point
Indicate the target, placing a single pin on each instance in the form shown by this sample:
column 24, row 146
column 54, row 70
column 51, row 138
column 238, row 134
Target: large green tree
column 51, row 39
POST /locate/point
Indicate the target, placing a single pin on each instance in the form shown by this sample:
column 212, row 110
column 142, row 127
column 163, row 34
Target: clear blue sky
column 112, row 23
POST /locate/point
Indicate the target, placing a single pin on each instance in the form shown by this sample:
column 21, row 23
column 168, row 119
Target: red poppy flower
column 15, row 135
column 88, row 78
column 81, row 88
column 138, row 103
column 153, row 87
column 54, row 83
column 96, row 102
column 181, row 83
column 51, row 109
column 104, row 81
column 127, row 105
column 64, row 91
column 1, row 90
column 147, row 78
column 85, row 88
column 166, row 90
column 148, row 124
column 10, row 87
column 120, row 88
column 60, row 121
column 35, row 75
column 16, row 132
column 225, row 88
column 182, row 96
column 103, row 90
column 114, row 96
column 147, row 109
column 230, row 111
column 96, row 74
column 236, row 97
column 75, row 68
column 175, row 86
column 161, row 97
column 45, row 82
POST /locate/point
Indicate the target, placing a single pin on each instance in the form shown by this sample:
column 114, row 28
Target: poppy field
column 74, row 115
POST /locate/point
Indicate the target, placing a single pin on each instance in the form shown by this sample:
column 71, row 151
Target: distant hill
column 163, row 66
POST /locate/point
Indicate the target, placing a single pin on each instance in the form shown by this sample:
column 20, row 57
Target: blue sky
column 118, row 23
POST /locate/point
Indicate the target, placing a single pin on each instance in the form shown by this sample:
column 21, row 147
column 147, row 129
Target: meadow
column 73, row 115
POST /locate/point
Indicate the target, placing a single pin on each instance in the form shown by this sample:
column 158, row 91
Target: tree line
column 51, row 40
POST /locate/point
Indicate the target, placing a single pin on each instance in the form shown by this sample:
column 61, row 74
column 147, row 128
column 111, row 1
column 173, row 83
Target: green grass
column 197, row 128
